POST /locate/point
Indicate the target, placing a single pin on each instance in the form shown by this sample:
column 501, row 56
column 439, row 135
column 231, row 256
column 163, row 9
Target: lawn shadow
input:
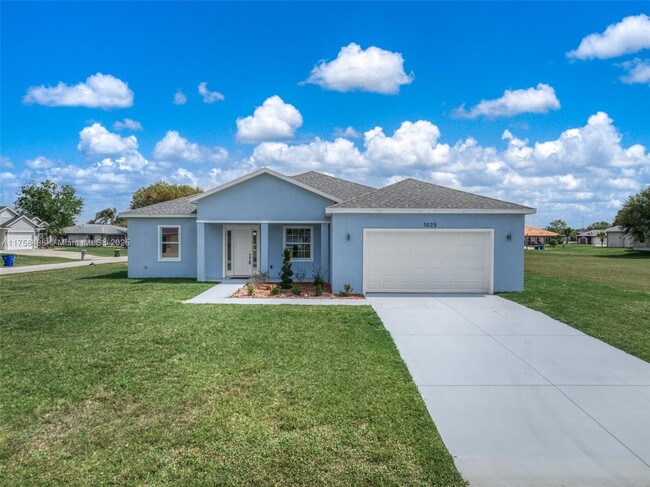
column 631, row 254
column 123, row 275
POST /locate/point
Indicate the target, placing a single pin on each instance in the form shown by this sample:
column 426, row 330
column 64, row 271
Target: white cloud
column 413, row 144
column 98, row 91
column 541, row 99
column 39, row 162
column 180, row 98
column 373, row 69
column 581, row 173
column 127, row 124
column 209, row 96
column 274, row 120
column 173, row 148
column 348, row 133
column 638, row 71
column 97, row 141
column 632, row 34
column 341, row 154
column 5, row 163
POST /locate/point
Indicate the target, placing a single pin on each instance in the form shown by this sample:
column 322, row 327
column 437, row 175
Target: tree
column 599, row 226
column 286, row 273
column 159, row 192
column 601, row 236
column 634, row 217
column 56, row 206
column 557, row 226
column 106, row 216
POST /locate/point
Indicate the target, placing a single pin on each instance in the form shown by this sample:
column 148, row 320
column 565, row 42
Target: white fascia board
column 256, row 222
column 254, row 174
column 523, row 211
column 127, row 216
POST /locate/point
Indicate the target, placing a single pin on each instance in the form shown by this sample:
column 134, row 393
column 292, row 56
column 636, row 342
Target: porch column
column 264, row 247
column 325, row 249
column 200, row 251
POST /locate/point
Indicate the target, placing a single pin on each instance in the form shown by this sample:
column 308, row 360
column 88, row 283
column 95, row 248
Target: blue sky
column 373, row 92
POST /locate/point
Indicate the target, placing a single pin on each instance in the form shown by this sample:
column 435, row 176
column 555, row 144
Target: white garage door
column 19, row 241
column 399, row 260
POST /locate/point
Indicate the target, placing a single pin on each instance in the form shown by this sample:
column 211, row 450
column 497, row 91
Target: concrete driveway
column 521, row 399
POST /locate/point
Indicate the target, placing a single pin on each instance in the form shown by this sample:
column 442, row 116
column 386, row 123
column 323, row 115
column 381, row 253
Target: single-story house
column 93, row 235
column 590, row 237
column 616, row 237
column 410, row 236
column 18, row 232
column 534, row 235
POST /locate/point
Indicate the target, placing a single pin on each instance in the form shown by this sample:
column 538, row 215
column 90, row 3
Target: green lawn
column 97, row 251
column 23, row 260
column 113, row 381
column 602, row 292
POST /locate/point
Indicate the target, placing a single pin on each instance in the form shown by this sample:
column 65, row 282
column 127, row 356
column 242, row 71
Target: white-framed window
column 169, row 242
column 300, row 240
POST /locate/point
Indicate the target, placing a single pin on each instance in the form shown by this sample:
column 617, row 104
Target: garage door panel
column 427, row 261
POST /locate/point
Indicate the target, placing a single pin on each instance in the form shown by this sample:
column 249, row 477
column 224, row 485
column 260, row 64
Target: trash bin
column 8, row 260
column 116, row 253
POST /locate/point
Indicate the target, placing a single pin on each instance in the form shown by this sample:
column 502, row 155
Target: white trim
column 489, row 231
column 311, row 244
column 523, row 211
column 169, row 259
column 224, row 246
column 156, row 216
column 270, row 222
column 259, row 172
column 21, row 217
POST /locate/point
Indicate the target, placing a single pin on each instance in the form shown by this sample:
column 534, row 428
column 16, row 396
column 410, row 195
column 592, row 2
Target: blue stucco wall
column 143, row 248
column 347, row 256
column 263, row 198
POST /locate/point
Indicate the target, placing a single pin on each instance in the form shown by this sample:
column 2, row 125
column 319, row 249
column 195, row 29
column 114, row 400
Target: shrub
column 552, row 242
column 250, row 288
column 261, row 278
column 275, row 290
column 347, row 290
column 318, row 289
column 296, row 289
column 286, row 273
column 300, row 275
column 317, row 276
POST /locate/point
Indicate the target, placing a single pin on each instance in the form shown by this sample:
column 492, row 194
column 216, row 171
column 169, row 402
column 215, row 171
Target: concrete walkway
column 521, row 399
column 62, row 265
column 220, row 294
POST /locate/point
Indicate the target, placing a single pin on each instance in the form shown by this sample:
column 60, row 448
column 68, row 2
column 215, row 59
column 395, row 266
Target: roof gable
column 13, row 221
column 260, row 172
column 412, row 195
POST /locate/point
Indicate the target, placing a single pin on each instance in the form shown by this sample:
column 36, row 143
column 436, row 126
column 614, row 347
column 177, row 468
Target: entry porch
column 241, row 249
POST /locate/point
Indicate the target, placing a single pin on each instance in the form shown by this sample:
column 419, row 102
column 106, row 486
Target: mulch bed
column 306, row 292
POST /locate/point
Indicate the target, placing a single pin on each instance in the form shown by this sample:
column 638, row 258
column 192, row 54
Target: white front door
column 242, row 251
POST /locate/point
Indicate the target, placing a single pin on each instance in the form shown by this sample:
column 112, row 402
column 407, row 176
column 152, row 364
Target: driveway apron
column 519, row 398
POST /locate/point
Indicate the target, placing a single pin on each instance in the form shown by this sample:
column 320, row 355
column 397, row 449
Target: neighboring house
column 18, row 232
column 534, row 235
column 93, row 235
column 410, row 236
column 616, row 237
column 590, row 237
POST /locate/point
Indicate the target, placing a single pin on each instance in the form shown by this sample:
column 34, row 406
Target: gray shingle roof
column 180, row 206
column 93, row 228
column 337, row 187
column 13, row 220
column 414, row 194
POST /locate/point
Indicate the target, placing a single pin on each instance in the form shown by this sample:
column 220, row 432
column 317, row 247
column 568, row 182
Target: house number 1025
column 430, row 225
